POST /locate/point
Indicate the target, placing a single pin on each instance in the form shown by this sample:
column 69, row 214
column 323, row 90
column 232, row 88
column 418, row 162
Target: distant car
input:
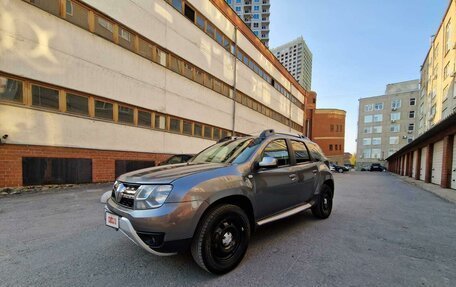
column 178, row 158
column 377, row 167
column 339, row 168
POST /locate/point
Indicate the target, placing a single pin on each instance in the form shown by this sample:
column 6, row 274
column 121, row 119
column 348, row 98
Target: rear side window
column 315, row 152
column 278, row 149
column 300, row 152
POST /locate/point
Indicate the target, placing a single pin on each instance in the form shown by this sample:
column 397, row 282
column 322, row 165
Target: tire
column 221, row 239
column 323, row 206
column 340, row 170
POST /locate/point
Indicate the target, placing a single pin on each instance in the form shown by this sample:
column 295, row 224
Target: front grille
column 128, row 192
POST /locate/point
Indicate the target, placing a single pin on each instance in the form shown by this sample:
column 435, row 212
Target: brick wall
column 103, row 162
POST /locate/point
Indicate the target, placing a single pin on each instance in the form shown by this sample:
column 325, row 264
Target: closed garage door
column 415, row 159
column 437, row 155
column 423, row 162
column 453, row 169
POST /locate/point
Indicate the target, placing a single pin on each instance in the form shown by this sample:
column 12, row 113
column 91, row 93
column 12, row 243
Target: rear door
column 305, row 170
column 275, row 188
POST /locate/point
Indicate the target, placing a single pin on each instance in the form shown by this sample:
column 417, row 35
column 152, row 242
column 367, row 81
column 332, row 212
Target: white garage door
column 437, row 156
column 423, row 162
column 453, row 169
column 415, row 159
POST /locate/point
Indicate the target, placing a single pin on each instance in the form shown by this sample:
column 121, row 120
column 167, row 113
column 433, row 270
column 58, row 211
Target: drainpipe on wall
column 234, row 81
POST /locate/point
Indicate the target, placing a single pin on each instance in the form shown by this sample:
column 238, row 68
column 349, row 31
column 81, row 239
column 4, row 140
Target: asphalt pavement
column 382, row 232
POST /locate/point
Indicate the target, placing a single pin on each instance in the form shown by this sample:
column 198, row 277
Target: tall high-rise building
column 387, row 123
column 255, row 13
column 296, row 57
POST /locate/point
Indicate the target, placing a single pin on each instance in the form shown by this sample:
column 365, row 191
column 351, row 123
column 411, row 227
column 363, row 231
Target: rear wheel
column 323, row 206
column 341, row 170
column 221, row 239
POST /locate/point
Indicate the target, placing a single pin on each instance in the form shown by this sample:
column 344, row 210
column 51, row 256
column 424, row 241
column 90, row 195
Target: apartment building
column 255, row 13
column 297, row 58
column 438, row 95
column 329, row 133
column 431, row 157
column 387, row 122
column 88, row 90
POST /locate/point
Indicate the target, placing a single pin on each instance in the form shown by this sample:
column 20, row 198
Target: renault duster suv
column 213, row 203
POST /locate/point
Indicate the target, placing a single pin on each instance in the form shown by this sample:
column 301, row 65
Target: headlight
column 151, row 196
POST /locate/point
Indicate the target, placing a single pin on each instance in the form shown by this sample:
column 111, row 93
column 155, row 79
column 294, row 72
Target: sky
column 358, row 46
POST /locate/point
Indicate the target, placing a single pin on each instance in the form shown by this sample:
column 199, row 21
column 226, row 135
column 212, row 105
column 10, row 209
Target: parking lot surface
column 382, row 232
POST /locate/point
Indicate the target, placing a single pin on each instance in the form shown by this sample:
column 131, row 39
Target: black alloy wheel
column 221, row 239
column 323, row 207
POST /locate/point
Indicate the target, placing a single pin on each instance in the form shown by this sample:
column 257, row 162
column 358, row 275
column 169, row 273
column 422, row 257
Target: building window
column 103, row 110
column 394, row 140
column 104, row 28
column 145, row 49
column 410, row 139
column 396, row 104
column 411, row 127
column 448, row 36
column 187, row 128
column 216, row 134
column 144, row 119
column 367, row 119
column 395, row 128
column 367, row 141
column 45, row 97
column 256, row 16
column 367, row 153
column 177, row 4
column 395, row 116
column 330, row 147
column 125, row 115
column 412, row 114
column 376, row 153
column 208, row 132
column 77, row 104
column 161, row 57
column 10, row 90
column 331, row 128
column 238, row 9
column 160, row 122
column 378, row 106
column 376, row 141
column 412, row 101
column 69, row 8
column 337, row 147
column 377, row 129
column 368, row 130
column 174, row 125
column 198, row 130
column 189, row 13
column 378, row 118
column 200, row 22
column 210, row 29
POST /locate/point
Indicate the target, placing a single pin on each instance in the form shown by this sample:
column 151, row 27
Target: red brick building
column 328, row 131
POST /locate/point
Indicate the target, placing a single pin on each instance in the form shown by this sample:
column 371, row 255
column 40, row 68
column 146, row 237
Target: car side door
column 305, row 170
column 275, row 186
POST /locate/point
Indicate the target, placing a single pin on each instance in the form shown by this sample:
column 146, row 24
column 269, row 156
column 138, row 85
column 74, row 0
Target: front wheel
column 323, row 206
column 221, row 239
column 341, row 170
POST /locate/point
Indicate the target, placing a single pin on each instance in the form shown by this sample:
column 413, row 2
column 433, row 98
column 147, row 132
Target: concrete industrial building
column 386, row 123
column 87, row 87
column 255, row 13
column 431, row 157
column 297, row 58
column 329, row 133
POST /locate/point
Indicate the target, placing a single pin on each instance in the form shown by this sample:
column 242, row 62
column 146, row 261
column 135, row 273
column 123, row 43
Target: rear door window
column 315, row 152
column 300, row 152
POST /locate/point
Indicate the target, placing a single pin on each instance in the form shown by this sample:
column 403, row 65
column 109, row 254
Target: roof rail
column 226, row 139
column 295, row 135
column 267, row 133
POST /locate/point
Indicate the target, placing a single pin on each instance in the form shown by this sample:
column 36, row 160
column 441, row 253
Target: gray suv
column 212, row 204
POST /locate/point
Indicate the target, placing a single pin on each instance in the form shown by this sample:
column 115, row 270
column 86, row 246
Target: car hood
column 167, row 173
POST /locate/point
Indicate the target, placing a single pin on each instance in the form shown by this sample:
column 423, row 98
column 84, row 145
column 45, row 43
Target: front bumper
column 175, row 221
column 126, row 228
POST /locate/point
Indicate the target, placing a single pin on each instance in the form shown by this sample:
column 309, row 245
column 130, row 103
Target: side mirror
column 268, row 162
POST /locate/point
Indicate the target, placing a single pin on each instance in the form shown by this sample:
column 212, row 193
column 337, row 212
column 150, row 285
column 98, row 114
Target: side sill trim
column 284, row 214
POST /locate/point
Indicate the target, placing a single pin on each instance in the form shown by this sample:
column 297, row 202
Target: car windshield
column 233, row 151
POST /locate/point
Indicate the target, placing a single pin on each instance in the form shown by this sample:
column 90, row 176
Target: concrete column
column 428, row 165
column 418, row 165
column 447, row 161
